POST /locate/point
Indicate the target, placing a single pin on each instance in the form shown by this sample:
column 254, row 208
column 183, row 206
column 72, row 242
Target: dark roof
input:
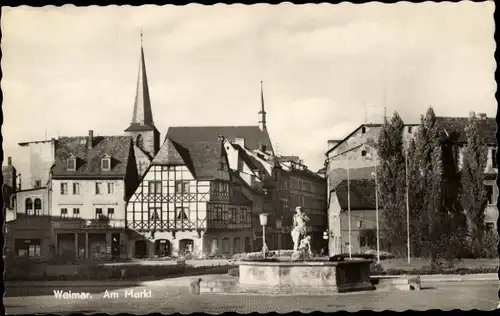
column 336, row 176
column 250, row 161
column 253, row 135
column 362, row 194
column 88, row 161
column 353, row 132
column 307, row 173
column 455, row 128
column 36, row 141
column 137, row 127
column 200, row 149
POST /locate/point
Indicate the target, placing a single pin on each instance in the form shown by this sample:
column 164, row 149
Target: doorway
column 141, row 249
column 186, row 247
column 115, row 245
column 162, row 248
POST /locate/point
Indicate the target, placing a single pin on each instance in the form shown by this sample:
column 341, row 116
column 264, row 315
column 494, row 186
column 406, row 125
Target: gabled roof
column 336, row 176
column 362, row 194
column 454, row 128
column 200, row 149
column 253, row 135
column 354, row 132
column 88, row 161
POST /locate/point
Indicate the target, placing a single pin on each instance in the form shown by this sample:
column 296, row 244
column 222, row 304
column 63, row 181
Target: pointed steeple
column 142, row 114
column 262, row 112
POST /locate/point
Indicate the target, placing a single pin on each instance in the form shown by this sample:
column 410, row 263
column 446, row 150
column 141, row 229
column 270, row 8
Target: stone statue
column 299, row 226
column 304, row 252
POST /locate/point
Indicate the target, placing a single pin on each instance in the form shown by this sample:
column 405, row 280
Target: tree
column 473, row 195
column 425, row 185
column 415, row 196
column 392, row 185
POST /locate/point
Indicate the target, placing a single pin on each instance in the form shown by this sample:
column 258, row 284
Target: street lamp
column 263, row 222
column 279, row 222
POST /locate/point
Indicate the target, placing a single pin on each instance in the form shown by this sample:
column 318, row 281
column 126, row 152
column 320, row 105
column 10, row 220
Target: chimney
column 263, row 148
column 240, row 141
column 483, row 116
column 9, row 161
column 91, row 139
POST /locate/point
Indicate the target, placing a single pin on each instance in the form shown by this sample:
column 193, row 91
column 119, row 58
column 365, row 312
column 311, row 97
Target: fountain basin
column 304, row 277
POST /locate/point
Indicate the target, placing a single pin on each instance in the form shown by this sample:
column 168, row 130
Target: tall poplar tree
column 392, row 185
column 427, row 177
column 473, row 195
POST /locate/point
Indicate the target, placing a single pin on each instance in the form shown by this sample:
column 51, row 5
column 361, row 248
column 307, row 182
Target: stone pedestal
column 307, row 277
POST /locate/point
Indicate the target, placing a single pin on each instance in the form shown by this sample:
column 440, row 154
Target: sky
column 325, row 68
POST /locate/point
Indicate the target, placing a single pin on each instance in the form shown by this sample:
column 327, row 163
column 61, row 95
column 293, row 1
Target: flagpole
column 349, row 206
column 407, row 205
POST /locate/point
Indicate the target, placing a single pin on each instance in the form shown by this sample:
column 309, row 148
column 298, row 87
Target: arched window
column 225, row 245
column 236, row 245
column 139, row 141
column 248, row 246
column 214, row 248
column 28, row 206
column 38, row 206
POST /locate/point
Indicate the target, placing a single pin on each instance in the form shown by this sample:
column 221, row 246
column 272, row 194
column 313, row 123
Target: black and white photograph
column 249, row 158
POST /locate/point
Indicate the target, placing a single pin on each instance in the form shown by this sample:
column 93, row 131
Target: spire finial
column 141, row 36
column 262, row 111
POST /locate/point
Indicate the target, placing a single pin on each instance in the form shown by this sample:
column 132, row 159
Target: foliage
column 473, row 195
column 392, row 185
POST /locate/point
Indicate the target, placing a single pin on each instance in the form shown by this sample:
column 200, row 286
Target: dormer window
column 106, row 163
column 71, row 163
column 363, row 130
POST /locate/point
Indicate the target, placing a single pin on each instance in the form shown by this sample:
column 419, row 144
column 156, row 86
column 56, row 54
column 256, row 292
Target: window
column 232, row 215
column 98, row 213
column 38, row 183
column 64, row 188
column 64, row 212
column 217, row 213
column 181, row 187
column 106, row 164
column 225, row 245
column 111, row 187
column 38, row 206
column 154, row 213
column 34, row 251
column 98, row 188
column 409, row 129
column 182, row 213
column 489, row 226
column 489, row 193
column 71, row 164
column 28, row 205
column 363, row 153
column 139, row 141
column 76, row 188
column 111, row 212
column 494, row 158
column 76, row 212
column 363, row 130
column 154, row 187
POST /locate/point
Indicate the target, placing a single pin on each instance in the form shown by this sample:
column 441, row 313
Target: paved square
column 169, row 296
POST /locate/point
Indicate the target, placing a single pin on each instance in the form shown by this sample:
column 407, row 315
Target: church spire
column 262, row 112
column 142, row 114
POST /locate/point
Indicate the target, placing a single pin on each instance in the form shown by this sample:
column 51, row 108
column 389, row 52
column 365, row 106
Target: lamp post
column 376, row 207
column 263, row 222
column 279, row 222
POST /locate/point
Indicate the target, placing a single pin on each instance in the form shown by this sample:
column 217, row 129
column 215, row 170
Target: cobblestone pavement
column 172, row 296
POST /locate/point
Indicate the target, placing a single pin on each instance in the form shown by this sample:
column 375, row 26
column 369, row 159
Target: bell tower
column 142, row 129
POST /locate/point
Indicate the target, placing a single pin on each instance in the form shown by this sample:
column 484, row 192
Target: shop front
column 89, row 241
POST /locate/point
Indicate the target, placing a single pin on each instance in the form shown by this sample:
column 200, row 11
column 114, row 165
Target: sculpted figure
column 299, row 226
column 305, row 247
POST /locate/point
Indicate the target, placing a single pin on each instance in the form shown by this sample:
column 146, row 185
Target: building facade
column 189, row 202
column 92, row 179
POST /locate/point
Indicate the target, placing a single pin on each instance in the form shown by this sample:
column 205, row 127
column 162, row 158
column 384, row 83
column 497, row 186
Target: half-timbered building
column 188, row 200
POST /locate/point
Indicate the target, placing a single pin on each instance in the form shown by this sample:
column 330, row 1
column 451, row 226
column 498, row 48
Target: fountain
column 300, row 274
column 303, row 274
